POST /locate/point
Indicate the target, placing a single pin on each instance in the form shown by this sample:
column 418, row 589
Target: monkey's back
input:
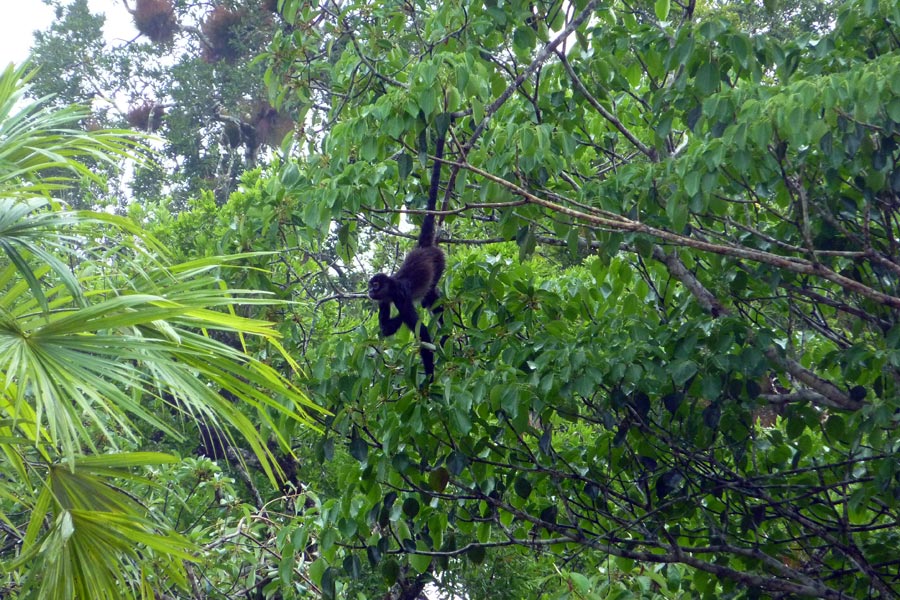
column 421, row 270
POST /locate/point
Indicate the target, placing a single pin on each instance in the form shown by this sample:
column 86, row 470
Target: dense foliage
column 710, row 398
column 669, row 364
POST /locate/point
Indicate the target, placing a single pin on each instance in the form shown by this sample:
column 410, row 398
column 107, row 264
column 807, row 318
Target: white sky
column 18, row 23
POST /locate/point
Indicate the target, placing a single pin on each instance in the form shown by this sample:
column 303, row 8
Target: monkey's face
column 380, row 287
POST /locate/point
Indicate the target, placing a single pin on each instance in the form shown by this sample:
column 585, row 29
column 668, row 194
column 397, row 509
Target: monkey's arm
column 411, row 318
column 389, row 325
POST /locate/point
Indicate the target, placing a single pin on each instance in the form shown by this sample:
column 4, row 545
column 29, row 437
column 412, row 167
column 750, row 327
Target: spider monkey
column 417, row 277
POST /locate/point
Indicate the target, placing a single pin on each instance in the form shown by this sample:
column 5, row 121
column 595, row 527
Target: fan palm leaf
column 96, row 342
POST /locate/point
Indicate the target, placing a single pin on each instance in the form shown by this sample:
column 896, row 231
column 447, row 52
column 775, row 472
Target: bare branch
column 579, row 85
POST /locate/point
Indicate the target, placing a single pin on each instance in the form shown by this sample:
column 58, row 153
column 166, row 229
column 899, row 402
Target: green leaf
column 661, row 7
column 707, row 78
column 427, row 102
column 692, row 183
column 124, row 460
column 404, row 165
column 795, row 426
column 681, row 371
column 711, row 415
column 420, row 562
column 835, row 428
column 476, row 554
column 677, row 211
column 410, row 507
column 328, row 585
column 460, row 420
column 549, row 514
column 438, row 479
column 390, row 570
column 524, row 39
column 527, row 242
column 359, row 449
column 522, row 487
column 457, row 462
column 673, row 401
column 740, row 48
column 352, row 566
column 893, row 110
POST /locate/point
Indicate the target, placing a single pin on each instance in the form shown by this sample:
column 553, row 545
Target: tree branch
column 676, row 268
column 646, row 150
column 621, row 223
column 831, row 395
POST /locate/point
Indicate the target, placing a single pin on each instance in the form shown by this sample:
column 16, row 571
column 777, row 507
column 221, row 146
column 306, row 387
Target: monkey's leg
column 438, row 311
column 430, row 298
column 425, row 351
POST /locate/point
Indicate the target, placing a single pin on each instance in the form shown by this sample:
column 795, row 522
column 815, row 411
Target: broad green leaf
column 707, row 78
column 661, row 7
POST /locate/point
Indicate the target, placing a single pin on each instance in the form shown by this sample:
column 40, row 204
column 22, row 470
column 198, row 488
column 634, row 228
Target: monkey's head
column 380, row 287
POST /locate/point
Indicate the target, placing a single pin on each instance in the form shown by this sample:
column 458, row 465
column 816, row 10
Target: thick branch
column 803, row 395
column 823, row 393
column 621, row 223
column 832, row 396
column 676, row 268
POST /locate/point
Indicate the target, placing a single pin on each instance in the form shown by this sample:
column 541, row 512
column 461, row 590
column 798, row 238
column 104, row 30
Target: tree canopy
column 690, row 365
column 187, row 76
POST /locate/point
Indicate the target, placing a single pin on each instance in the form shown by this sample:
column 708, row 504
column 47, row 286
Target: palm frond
column 95, row 363
column 94, row 545
column 95, row 338
column 36, row 138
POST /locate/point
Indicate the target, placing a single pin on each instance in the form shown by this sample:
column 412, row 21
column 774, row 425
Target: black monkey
column 417, row 277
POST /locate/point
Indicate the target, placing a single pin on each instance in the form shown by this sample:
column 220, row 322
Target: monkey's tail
column 427, row 236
